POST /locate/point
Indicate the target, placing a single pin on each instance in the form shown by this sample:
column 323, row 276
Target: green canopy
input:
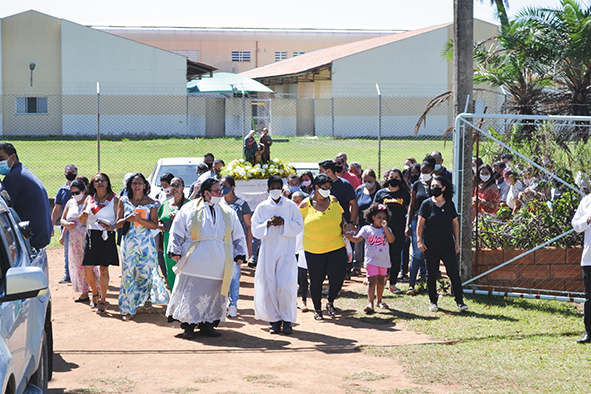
column 223, row 82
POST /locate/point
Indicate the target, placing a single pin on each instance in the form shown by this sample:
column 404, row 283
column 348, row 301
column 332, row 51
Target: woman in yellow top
column 323, row 243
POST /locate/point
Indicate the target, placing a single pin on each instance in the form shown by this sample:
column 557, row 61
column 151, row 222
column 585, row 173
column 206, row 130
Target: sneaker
column 65, row 279
column 232, row 311
column 433, row 307
column 368, row 309
column 463, row 307
column 410, row 291
column 383, row 305
column 395, row 290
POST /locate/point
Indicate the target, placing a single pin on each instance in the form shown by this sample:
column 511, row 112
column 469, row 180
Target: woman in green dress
column 166, row 214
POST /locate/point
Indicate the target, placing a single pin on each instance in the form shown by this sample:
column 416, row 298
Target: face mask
column 294, row 189
column 338, row 169
column 70, row 176
column 484, row 178
column 406, row 167
column 215, row 200
column 394, row 182
column 4, row 168
column 306, row 183
column 79, row 197
column 414, row 178
column 436, row 191
column 324, row 193
column 226, row 189
column 166, row 190
column 426, row 177
column 275, row 193
column 437, row 167
column 369, row 185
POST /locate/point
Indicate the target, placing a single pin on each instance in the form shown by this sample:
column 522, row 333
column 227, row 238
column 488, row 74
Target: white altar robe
column 276, row 276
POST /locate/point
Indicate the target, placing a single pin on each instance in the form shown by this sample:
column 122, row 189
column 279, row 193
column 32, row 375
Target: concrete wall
column 31, row 37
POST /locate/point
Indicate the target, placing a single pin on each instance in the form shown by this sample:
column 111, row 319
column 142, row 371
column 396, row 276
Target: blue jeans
column 418, row 257
column 66, row 259
column 234, row 285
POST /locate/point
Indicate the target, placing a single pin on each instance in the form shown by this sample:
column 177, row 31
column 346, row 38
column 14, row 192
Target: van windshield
column 187, row 172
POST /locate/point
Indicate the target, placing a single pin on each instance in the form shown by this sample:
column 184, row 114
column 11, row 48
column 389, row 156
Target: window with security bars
column 297, row 53
column 31, row 105
column 280, row 55
column 240, row 56
column 190, row 54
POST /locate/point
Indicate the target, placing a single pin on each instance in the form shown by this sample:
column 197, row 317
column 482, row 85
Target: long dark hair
column 487, row 184
column 403, row 183
column 448, row 193
column 130, row 180
column 92, row 189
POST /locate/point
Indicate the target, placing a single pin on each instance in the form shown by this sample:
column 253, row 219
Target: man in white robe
column 276, row 222
column 205, row 240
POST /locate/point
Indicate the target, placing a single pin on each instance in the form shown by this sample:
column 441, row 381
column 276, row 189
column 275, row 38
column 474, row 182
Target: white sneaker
column 433, row 308
column 463, row 307
column 232, row 311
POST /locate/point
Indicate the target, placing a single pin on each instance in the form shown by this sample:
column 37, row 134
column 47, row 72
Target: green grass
column 501, row 345
column 267, row 380
column 365, row 376
column 181, row 390
column 47, row 158
column 110, row 385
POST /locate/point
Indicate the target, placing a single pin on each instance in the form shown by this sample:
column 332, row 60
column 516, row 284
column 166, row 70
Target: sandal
column 102, row 306
column 95, row 300
column 368, row 309
column 318, row 315
column 331, row 310
column 82, row 299
column 127, row 317
column 303, row 308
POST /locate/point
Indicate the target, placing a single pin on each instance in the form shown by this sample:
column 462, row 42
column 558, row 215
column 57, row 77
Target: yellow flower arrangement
column 244, row 170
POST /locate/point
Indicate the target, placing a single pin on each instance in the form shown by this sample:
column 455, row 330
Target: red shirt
column 353, row 180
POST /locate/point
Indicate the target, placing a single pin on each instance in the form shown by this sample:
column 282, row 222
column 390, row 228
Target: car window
column 187, row 172
column 9, row 238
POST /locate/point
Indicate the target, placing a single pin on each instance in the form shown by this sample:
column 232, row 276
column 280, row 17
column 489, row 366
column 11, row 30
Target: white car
column 304, row 167
column 26, row 339
column 181, row 167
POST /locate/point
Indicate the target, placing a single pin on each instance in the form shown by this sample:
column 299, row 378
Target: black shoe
column 275, row 327
column 331, row 310
column 189, row 330
column 586, row 338
column 287, row 329
column 356, row 272
column 208, row 330
column 65, row 279
column 252, row 264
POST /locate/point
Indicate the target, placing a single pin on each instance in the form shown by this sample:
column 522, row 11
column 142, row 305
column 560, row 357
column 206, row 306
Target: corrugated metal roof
column 324, row 57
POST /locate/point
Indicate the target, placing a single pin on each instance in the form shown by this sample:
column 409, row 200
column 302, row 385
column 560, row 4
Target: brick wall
column 544, row 269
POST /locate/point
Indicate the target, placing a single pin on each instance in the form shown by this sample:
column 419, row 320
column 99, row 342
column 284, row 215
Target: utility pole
column 463, row 71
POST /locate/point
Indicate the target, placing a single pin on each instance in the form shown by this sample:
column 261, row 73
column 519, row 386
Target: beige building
column 239, row 50
column 49, row 73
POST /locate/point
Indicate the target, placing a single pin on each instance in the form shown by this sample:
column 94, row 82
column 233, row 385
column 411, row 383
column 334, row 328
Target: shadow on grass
column 555, row 307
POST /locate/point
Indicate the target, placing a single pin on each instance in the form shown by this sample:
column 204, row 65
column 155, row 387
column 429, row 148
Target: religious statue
column 266, row 141
column 250, row 148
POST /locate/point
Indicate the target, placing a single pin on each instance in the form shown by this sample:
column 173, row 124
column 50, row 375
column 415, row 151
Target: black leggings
column 396, row 257
column 303, row 281
column 447, row 254
column 333, row 264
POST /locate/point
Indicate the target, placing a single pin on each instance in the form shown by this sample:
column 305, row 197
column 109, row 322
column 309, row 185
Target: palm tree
column 501, row 6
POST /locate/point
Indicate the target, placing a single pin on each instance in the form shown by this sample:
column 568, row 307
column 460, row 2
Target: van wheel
column 41, row 375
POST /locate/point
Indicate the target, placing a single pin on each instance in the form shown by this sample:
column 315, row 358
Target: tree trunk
column 463, row 71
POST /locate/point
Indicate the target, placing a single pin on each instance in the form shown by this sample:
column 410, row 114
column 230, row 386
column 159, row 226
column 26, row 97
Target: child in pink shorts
column 377, row 236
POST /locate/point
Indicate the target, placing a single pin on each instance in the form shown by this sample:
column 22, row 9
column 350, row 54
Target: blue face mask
column 437, row 167
column 226, row 189
column 294, row 189
column 4, row 168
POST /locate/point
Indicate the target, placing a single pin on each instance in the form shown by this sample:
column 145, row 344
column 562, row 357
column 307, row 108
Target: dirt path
column 95, row 354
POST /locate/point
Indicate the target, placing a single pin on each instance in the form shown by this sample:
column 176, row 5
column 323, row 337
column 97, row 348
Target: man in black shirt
column 439, row 168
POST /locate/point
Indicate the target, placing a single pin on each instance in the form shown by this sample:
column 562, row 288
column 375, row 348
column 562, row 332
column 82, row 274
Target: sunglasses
column 177, row 185
column 75, row 193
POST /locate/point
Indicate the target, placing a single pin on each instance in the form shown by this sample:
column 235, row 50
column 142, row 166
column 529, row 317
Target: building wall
column 31, row 37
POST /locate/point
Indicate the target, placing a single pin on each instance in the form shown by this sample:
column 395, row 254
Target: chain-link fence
column 136, row 130
column 523, row 240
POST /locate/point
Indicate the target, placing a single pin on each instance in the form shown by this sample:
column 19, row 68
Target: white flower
column 276, row 160
column 265, row 166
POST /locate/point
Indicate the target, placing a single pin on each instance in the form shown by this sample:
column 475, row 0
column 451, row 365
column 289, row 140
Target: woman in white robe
column 276, row 222
column 201, row 287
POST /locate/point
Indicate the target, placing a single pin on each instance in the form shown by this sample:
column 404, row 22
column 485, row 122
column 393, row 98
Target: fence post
column 243, row 112
column 379, row 130
column 332, row 114
column 98, row 128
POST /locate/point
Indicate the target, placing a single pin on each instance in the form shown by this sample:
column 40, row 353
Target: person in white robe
column 206, row 239
column 276, row 222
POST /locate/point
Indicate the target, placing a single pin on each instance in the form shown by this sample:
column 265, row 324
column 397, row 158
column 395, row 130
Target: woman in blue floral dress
column 140, row 282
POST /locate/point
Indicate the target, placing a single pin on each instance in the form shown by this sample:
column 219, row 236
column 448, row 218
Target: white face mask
column 275, row 194
column 215, row 200
column 166, row 190
column 306, row 183
column 79, row 197
column 426, row 177
column 324, row 193
column 484, row 178
column 369, row 185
